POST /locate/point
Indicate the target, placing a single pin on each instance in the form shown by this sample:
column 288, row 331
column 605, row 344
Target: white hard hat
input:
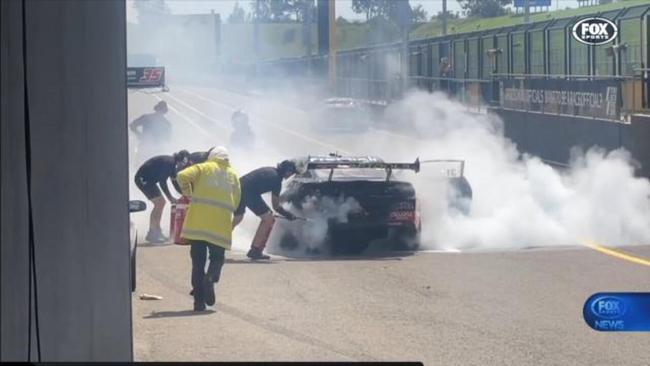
column 218, row 152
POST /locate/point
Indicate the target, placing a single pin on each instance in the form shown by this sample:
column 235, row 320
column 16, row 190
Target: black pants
column 198, row 251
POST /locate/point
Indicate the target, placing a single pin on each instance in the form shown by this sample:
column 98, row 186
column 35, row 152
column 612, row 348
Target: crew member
column 242, row 136
column 254, row 184
column 214, row 189
column 153, row 173
column 153, row 127
column 200, row 156
column 195, row 158
column 154, row 133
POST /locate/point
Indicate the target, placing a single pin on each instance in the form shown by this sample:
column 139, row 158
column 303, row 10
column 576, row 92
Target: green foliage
column 484, row 8
column 238, row 14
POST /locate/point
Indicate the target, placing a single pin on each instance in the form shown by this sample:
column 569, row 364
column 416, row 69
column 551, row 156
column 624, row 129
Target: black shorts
column 150, row 190
column 254, row 202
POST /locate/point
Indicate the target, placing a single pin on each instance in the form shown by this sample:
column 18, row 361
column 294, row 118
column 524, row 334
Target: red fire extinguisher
column 179, row 209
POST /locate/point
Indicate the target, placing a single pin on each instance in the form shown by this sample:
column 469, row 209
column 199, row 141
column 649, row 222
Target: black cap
column 287, row 166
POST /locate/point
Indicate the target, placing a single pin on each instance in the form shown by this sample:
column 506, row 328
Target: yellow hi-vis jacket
column 213, row 187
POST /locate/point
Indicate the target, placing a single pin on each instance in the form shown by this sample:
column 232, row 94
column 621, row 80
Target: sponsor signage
column 595, row 31
column 588, row 98
column 618, row 312
column 144, row 77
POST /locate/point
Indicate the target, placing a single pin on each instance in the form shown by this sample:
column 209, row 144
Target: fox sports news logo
column 595, row 31
column 608, row 307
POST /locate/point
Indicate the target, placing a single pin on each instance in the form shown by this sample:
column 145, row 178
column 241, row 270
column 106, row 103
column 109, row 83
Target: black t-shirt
column 200, row 156
column 154, row 126
column 157, row 169
column 262, row 180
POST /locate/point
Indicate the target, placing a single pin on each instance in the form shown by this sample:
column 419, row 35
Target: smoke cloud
column 519, row 201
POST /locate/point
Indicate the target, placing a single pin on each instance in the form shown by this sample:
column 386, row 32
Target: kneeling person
column 214, row 189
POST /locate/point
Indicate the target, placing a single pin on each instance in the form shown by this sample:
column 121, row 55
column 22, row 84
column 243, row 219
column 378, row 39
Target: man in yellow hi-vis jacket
column 214, row 189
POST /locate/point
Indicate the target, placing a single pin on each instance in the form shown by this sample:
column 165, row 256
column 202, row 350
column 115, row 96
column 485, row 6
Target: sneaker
column 256, row 254
column 154, row 238
column 162, row 238
column 208, row 291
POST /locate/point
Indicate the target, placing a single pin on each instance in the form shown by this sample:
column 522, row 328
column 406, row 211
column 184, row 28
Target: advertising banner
column 145, row 77
column 588, row 98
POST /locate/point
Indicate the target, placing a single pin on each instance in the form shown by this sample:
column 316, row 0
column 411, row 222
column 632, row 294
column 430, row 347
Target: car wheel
column 288, row 241
column 405, row 239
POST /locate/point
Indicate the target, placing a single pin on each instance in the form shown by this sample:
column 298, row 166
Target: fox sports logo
column 608, row 307
column 595, row 31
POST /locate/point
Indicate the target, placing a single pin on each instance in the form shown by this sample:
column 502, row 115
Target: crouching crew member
column 254, row 184
column 214, row 189
column 150, row 175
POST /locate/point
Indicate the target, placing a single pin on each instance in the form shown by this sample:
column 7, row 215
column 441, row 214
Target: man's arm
column 176, row 186
column 277, row 207
column 135, row 124
column 236, row 191
column 187, row 177
column 165, row 190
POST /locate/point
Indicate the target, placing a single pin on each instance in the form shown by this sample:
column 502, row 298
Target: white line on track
column 450, row 250
column 184, row 117
column 221, row 123
column 273, row 124
column 299, row 111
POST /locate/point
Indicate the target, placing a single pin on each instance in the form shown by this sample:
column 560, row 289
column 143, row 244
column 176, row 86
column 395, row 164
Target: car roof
column 341, row 101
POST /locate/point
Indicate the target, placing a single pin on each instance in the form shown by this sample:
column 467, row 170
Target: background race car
column 341, row 115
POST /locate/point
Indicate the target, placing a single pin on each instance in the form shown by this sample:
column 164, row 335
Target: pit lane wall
column 76, row 67
column 552, row 137
column 549, row 117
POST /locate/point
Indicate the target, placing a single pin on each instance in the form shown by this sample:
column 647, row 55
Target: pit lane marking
column 183, row 116
column 221, row 124
column 617, row 253
column 289, row 131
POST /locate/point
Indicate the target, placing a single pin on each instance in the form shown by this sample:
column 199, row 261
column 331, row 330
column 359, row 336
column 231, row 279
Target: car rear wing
column 449, row 172
column 388, row 167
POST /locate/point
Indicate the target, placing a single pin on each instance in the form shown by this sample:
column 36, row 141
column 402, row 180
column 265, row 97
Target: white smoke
column 310, row 231
column 519, row 201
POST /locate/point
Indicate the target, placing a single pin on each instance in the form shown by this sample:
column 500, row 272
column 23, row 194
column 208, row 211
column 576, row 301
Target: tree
column 238, row 14
column 300, row 7
column 484, row 8
column 386, row 9
column 151, row 7
column 450, row 15
column 419, row 15
column 261, row 10
column 369, row 7
column 280, row 10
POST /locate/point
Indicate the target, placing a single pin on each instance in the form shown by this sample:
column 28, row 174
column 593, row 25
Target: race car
column 361, row 201
column 341, row 115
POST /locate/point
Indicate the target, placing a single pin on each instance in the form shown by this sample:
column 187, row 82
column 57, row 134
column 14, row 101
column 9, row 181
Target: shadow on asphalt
column 177, row 314
column 305, row 257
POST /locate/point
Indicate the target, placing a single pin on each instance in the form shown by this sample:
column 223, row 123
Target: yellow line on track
column 617, row 253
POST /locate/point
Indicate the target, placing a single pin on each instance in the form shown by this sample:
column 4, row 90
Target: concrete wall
column 76, row 60
column 552, row 137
